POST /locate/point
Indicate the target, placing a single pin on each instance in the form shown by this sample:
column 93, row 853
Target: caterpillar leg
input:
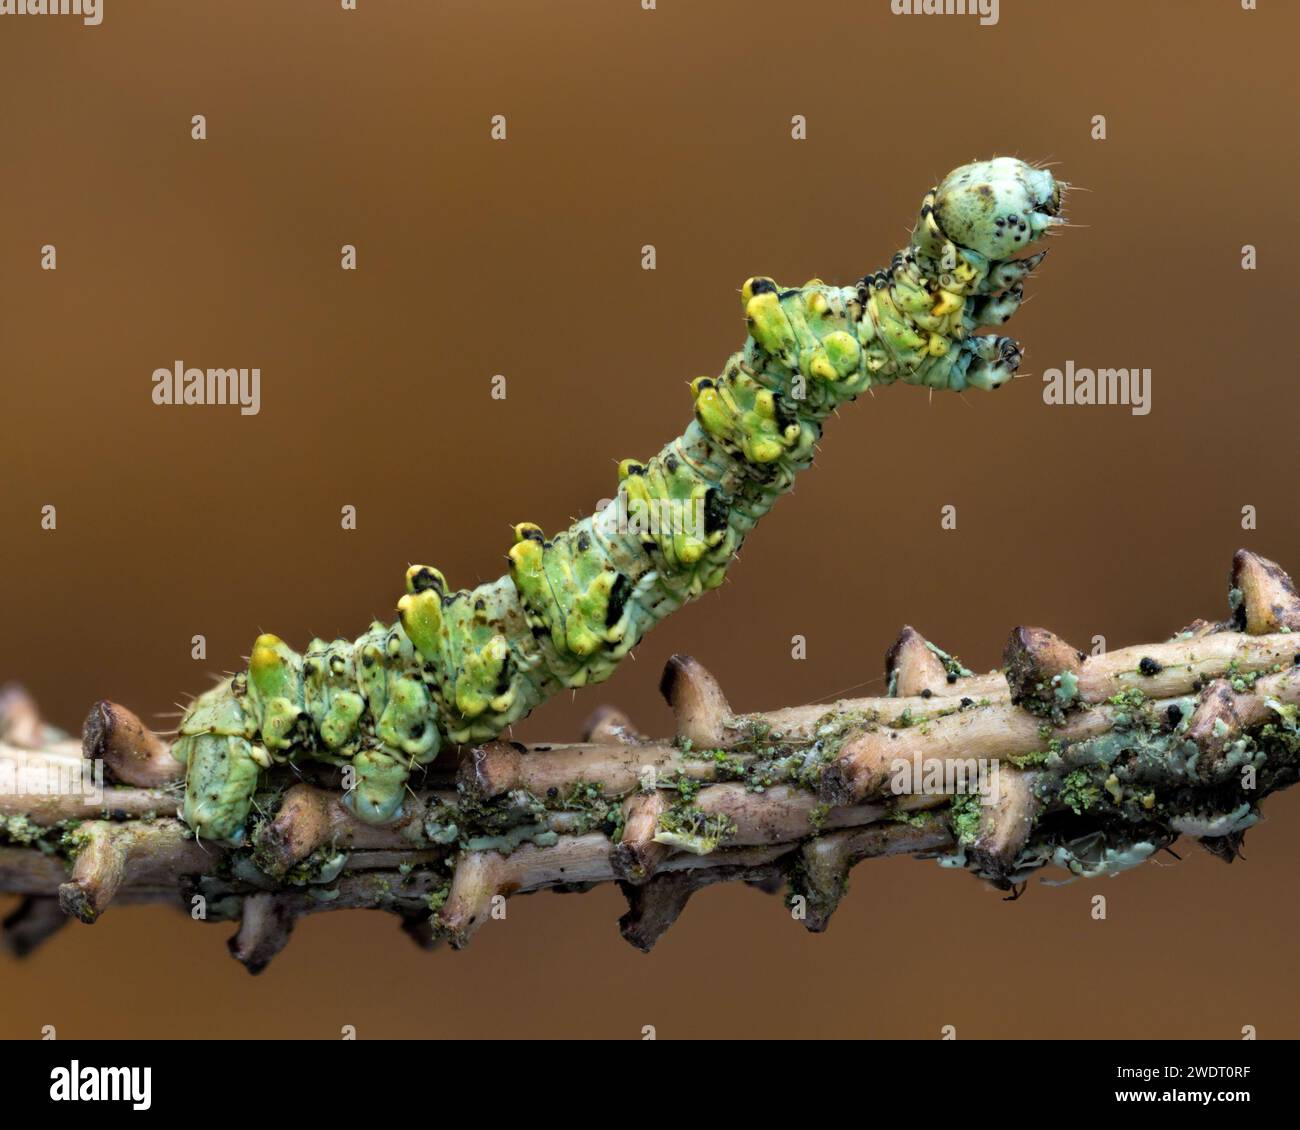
column 223, row 764
column 1012, row 272
column 995, row 309
column 220, row 782
column 379, row 785
column 985, row 363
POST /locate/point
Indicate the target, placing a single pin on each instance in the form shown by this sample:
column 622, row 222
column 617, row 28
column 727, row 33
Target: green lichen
column 1028, row 760
column 587, row 803
column 685, row 787
column 20, row 830
column 964, row 817
column 689, row 829
column 1132, row 698
column 951, row 664
column 51, row 839
column 436, row 898
column 727, row 764
column 1079, row 792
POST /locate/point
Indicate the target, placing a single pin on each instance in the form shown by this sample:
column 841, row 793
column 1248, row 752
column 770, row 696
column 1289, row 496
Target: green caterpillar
column 461, row 666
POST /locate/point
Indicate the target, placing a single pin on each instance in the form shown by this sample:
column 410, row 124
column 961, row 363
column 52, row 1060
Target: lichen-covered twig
column 1090, row 763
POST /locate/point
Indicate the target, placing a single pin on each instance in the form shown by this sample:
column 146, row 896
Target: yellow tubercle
column 421, row 577
column 949, row 303
column 421, row 616
column 769, row 325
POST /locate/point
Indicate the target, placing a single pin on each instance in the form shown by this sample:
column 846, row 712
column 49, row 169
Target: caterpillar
column 460, row 666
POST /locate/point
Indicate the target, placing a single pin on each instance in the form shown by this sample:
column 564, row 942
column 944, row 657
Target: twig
column 1097, row 762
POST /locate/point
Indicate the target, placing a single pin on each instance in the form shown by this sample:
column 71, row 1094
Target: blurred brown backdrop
column 629, row 127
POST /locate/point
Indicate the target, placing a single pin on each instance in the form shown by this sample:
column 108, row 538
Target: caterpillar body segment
column 363, row 703
column 222, row 764
column 461, row 666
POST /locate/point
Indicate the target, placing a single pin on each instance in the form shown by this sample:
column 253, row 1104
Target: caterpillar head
column 995, row 208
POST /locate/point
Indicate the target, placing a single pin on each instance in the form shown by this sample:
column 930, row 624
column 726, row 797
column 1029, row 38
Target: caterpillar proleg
column 461, row 665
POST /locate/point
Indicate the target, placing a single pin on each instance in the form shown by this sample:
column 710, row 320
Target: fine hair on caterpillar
column 459, row 666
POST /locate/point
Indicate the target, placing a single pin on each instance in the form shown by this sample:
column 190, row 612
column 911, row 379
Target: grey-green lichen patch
column 1093, row 858
column 1213, row 825
column 834, row 726
column 440, row 825
column 507, row 842
column 799, row 767
column 952, row 860
column 1065, row 689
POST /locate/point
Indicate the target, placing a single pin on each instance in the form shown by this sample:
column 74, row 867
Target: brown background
column 478, row 257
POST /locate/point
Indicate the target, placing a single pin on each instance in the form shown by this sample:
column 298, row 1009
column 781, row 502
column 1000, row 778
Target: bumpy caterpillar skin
column 462, row 666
